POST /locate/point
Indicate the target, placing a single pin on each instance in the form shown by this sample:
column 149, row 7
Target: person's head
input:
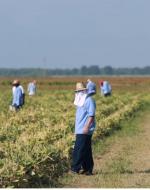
column 16, row 82
column 88, row 80
column 34, row 81
column 80, row 87
column 101, row 83
column 91, row 88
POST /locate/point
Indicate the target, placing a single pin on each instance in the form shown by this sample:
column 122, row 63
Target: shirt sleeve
column 17, row 97
column 90, row 107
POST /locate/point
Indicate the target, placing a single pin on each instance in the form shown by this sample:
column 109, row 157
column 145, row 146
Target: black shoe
column 84, row 172
column 88, row 173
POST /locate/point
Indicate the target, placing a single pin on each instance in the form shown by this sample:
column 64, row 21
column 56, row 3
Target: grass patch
column 129, row 127
column 120, row 166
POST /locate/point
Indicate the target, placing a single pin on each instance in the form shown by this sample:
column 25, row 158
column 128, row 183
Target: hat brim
column 14, row 83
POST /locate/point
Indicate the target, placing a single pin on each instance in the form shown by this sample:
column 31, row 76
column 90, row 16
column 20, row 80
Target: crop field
column 36, row 142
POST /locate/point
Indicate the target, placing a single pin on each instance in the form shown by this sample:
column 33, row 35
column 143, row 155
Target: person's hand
column 85, row 130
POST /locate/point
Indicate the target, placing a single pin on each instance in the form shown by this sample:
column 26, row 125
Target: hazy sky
column 72, row 33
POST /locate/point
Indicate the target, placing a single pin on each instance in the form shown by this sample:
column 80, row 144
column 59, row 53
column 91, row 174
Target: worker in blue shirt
column 22, row 90
column 32, row 88
column 91, row 85
column 84, row 128
column 105, row 88
column 17, row 95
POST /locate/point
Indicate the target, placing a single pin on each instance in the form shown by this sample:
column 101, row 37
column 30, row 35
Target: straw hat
column 88, row 80
column 80, row 87
column 15, row 82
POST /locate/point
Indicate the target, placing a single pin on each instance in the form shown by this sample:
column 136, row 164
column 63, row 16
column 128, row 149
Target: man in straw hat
column 17, row 95
column 84, row 128
column 22, row 90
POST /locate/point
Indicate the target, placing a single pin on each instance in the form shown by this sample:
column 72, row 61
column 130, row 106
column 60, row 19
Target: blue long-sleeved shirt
column 31, row 88
column 17, row 97
column 82, row 115
column 106, row 88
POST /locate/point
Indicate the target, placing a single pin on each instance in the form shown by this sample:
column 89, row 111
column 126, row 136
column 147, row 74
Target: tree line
column 84, row 70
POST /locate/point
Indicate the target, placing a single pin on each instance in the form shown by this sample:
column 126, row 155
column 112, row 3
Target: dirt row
column 124, row 164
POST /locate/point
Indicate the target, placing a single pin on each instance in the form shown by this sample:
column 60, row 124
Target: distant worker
column 105, row 88
column 90, row 85
column 32, row 88
column 22, row 90
column 18, row 96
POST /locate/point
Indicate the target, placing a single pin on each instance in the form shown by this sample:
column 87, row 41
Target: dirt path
column 125, row 163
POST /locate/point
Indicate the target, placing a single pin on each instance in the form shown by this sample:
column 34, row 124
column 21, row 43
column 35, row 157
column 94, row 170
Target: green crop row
column 35, row 142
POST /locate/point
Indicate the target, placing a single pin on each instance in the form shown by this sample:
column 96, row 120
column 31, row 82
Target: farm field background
column 36, row 142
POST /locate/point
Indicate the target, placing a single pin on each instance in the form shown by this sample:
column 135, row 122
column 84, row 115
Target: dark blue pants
column 82, row 153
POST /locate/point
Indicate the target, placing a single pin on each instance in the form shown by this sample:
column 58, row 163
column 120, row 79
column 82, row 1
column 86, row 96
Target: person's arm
column 86, row 128
column 16, row 97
